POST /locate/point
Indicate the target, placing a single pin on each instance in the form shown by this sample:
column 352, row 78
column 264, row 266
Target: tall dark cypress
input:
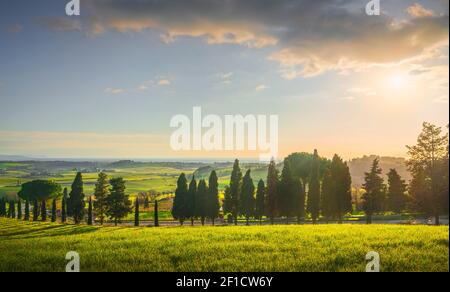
column 287, row 191
column 136, row 212
column 35, row 210
column 54, row 211
column 299, row 200
column 235, row 190
column 213, row 204
column 27, row 210
column 201, row 200
column 64, row 207
column 2, row 207
column 156, row 214
column 313, row 206
column 12, row 210
column 76, row 202
column 179, row 207
column 192, row 194
column 272, row 191
column 247, row 199
column 43, row 211
column 260, row 201
column 19, row 210
column 90, row 214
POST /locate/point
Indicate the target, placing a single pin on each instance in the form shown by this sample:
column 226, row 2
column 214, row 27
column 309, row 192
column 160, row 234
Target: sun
column 398, row 81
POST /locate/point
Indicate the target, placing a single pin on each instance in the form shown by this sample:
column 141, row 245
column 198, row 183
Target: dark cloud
column 311, row 36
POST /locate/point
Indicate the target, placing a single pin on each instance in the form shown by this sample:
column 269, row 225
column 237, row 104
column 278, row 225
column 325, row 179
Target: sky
column 106, row 84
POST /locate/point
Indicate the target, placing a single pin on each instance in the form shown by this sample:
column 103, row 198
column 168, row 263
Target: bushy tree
column 180, row 206
column 396, row 192
column 76, row 204
column 313, row 206
column 429, row 158
column 374, row 191
column 272, row 191
column 101, row 193
column 213, row 205
column 260, row 203
column 119, row 204
column 40, row 191
column 247, row 198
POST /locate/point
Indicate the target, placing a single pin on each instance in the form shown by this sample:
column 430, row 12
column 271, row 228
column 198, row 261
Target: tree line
column 308, row 187
column 109, row 201
column 311, row 187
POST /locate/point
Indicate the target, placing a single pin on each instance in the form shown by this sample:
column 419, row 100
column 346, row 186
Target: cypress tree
column 43, row 211
column 213, row 205
column 372, row 198
column 396, row 192
column 19, row 210
column 287, row 191
column 12, row 210
column 328, row 198
column 247, row 199
column 54, row 210
column 156, row 214
column 179, row 208
column 313, row 206
column 27, row 210
column 272, row 191
column 90, row 220
column 260, row 201
column 235, row 190
column 192, row 194
column 201, row 200
column 35, row 210
column 299, row 200
column 76, row 204
column 64, row 207
column 119, row 204
column 136, row 212
column 2, row 207
column 101, row 193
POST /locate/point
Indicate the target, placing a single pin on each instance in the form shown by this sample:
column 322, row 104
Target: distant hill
column 358, row 166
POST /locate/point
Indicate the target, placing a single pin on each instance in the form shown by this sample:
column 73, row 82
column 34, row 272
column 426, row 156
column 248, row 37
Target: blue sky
column 106, row 84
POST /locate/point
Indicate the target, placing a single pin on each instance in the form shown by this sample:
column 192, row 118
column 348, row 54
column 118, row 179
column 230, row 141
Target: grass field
column 42, row 247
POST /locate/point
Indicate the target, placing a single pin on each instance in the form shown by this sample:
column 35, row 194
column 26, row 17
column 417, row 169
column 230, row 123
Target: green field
column 43, row 246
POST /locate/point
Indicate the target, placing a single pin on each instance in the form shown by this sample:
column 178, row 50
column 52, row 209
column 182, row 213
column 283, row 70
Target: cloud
column 60, row 23
column 418, row 10
column 261, row 87
column 164, row 82
column 143, row 88
column 308, row 38
column 226, row 78
column 14, row 28
column 114, row 91
column 362, row 91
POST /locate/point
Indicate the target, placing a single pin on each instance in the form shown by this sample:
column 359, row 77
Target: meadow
column 27, row 246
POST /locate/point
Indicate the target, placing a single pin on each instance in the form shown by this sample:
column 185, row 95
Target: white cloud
column 261, row 87
column 418, row 10
column 164, row 82
column 114, row 91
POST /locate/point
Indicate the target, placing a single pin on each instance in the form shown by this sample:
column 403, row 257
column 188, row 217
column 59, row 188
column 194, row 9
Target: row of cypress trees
column 196, row 201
